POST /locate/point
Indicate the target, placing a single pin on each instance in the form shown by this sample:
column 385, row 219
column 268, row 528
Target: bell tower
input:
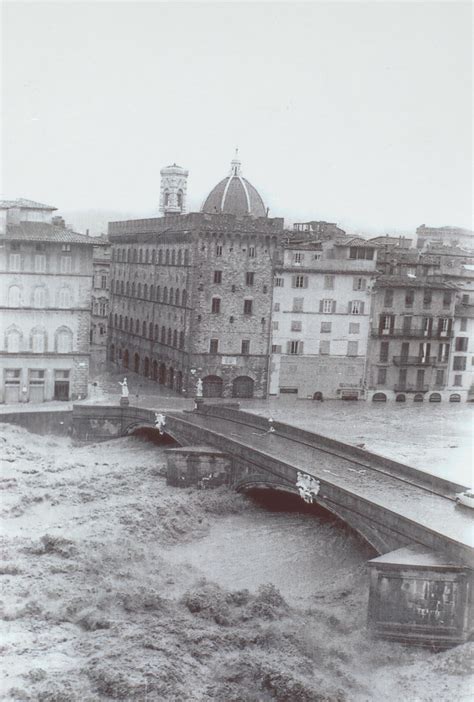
column 174, row 182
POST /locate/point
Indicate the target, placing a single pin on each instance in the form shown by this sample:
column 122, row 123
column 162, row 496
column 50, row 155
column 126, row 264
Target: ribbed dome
column 234, row 195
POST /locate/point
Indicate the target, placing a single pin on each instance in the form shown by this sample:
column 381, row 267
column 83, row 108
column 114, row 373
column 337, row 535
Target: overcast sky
column 358, row 113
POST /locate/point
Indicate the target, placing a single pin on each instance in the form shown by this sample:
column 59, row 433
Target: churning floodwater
column 303, row 552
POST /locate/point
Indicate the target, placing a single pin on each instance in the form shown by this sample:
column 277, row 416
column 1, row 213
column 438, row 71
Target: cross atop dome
column 235, row 164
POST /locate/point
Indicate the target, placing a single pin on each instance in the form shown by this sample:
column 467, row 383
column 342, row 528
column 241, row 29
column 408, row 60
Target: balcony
column 414, row 360
column 411, row 388
column 412, row 333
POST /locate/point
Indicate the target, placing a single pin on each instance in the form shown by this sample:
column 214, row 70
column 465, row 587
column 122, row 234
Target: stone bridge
column 389, row 504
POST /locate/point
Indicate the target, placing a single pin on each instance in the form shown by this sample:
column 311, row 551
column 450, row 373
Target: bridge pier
column 198, row 466
column 419, row 596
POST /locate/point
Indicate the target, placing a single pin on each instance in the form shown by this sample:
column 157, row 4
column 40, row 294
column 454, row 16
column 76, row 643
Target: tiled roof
column 405, row 281
column 25, row 204
column 42, row 231
column 353, row 241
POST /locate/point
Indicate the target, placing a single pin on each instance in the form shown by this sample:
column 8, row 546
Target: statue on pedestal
column 199, row 388
column 124, row 396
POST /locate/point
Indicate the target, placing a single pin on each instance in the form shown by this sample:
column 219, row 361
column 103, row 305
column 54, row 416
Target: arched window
column 163, row 335
column 137, row 326
column 117, row 287
column 173, row 258
column 128, row 255
column 181, row 340
column 179, row 197
column 168, row 337
column 126, row 323
column 180, row 257
column 127, row 288
column 158, row 290
column 150, row 331
column 65, row 297
column 152, row 292
column 144, row 329
column 140, row 256
column 165, row 294
column 153, row 256
column 115, row 320
column 122, row 286
column 175, row 338
column 38, row 341
column 186, row 257
column 39, row 297
column 14, row 296
column 160, row 256
column 167, row 256
column 156, row 332
column 13, row 337
column 135, row 255
column 133, row 289
column 171, row 293
column 147, row 256
column 120, row 322
column 145, row 291
column 139, row 290
column 184, row 298
column 64, row 340
column 166, row 198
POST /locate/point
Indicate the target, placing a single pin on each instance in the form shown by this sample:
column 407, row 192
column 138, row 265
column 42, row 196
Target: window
column 440, row 377
column 464, row 324
column 296, row 326
column 381, row 376
column 64, row 341
column 444, row 326
column 388, row 298
column 276, row 307
column 15, row 261
column 298, row 304
column 324, row 347
column 459, row 363
column 217, row 276
column 216, row 305
column 66, row 264
column 276, row 348
column 356, row 307
column 275, row 326
column 213, row 345
column 328, row 282
column 265, row 289
column 447, row 296
column 461, row 343
column 245, row 347
column 465, row 299
column 295, row 347
column 248, row 304
column 352, row 348
column 361, row 252
column 443, row 353
column 219, row 250
column 66, row 247
column 354, row 328
column 427, row 298
column 13, row 341
column 249, row 278
column 409, row 298
column 298, row 257
column 279, row 282
column 383, row 357
column 458, row 380
column 251, row 251
column 359, row 284
column 40, row 263
column 327, row 306
column 37, row 342
column 300, row 281
column 39, row 297
column 326, row 327
column 14, row 296
column 64, row 297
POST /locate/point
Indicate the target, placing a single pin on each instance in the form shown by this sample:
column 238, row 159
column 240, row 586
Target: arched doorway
column 212, row 386
column 126, row 359
column 242, row 386
column 146, row 367
column 455, row 397
column 136, row 363
column 400, row 398
column 435, row 397
column 155, row 371
column 418, row 397
column 318, row 396
column 162, row 374
column 171, row 377
column 179, row 381
column 379, row 397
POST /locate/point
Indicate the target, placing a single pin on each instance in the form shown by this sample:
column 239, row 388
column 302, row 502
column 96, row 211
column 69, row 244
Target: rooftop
column 42, row 232
column 406, row 281
column 25, row 204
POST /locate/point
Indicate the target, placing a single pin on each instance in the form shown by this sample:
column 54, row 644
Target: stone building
column 173, row 190
column 320, row 323
column 46, row 274
column 191, row 294
column 411, row 338
column 100, row 303
column 446, row 236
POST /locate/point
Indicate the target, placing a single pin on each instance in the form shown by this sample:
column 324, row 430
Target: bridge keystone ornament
column 308, row 487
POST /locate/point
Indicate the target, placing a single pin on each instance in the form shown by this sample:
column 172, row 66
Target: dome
column 234, row 195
